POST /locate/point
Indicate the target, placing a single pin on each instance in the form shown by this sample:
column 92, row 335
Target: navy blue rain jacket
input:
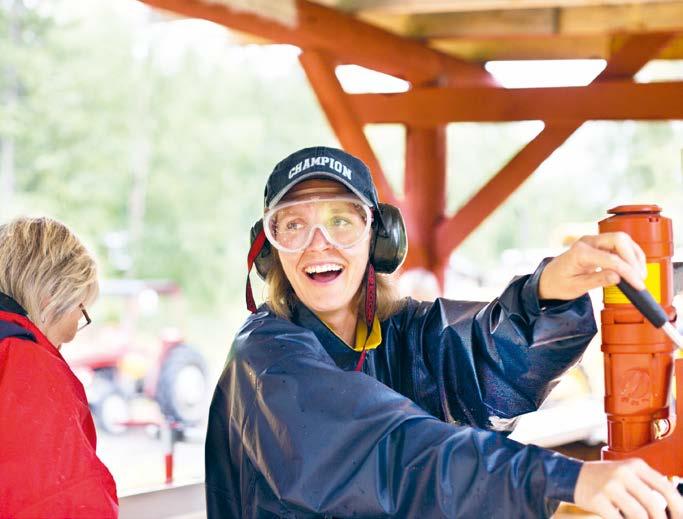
column 294, row 432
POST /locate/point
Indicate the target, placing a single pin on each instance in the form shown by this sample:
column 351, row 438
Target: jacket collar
column 342, row 355
column 13, row 315
column 7, row 304
column 15, row 321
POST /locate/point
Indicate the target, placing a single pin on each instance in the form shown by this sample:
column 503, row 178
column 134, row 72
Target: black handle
column 643, row 301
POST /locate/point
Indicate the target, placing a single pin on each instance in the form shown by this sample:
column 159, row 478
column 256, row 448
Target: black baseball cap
column 320, row 162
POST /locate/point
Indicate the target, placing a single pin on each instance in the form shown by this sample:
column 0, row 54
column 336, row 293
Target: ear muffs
column 390, row 240
column 389, row 247
column 264, row 259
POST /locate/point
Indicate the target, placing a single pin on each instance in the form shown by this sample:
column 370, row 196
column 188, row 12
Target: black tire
column 183, row 366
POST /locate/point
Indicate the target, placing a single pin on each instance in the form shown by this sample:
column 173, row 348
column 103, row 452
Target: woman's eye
column 294, row 225
column 340, row 221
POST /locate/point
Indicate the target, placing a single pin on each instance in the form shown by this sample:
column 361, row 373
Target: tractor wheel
column 182, row 386
column 110, row 409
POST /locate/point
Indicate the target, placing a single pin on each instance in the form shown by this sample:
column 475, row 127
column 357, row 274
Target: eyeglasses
column 343, row 221
column 85, row 319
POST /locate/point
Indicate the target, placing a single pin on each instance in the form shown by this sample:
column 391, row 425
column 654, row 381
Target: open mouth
column 324, row 273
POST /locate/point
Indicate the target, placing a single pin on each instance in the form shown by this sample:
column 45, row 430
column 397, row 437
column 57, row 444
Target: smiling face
column 325, row 278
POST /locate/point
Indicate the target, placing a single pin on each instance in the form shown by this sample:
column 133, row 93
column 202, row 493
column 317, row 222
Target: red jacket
column 48, row 464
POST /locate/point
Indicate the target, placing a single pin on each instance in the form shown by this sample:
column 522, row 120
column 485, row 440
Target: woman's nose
column 318, row 241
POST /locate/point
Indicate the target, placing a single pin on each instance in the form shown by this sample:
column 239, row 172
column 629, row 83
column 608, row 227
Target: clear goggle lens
column 343, row 221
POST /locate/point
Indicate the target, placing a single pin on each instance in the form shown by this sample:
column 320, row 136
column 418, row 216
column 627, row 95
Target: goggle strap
column 370, row 308
column 254, row 251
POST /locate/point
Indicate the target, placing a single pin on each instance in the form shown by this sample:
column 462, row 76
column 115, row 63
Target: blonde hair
column 282, row 298
column 45, row 268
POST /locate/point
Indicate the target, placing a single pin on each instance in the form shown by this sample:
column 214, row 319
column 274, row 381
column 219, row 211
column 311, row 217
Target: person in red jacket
column 48, row 464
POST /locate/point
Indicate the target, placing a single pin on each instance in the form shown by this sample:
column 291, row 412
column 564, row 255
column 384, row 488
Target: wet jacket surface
column 48, row 464
column 295, row 432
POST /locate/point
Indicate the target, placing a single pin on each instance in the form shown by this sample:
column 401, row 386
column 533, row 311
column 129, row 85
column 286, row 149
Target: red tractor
column 118, row 368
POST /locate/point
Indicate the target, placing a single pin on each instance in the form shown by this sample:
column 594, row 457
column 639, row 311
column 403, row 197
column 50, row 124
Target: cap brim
column 317, row 174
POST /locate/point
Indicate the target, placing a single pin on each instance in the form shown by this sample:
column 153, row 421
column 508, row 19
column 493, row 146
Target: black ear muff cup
column 264, row 261
column 391, row 243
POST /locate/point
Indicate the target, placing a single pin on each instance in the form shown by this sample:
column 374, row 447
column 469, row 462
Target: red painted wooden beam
column 425, row 194
column 455, row 230
column 342, row 35
column 612, row 100
column 349, row 130
column 635, row 53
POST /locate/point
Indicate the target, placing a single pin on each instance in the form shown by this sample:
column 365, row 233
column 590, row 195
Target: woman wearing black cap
column 338, row 400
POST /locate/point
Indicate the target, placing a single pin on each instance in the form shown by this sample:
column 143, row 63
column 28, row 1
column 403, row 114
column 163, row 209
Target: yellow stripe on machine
column 653, row 283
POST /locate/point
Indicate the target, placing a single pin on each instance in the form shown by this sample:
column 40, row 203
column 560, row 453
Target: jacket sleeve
column 342, row 444
column 485, row 364
column 47, row 452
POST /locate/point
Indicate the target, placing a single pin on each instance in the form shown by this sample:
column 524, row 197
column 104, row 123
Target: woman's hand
column 591, row 262
column 629, row 488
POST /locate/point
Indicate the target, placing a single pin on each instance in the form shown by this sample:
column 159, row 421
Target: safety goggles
column 343, row 221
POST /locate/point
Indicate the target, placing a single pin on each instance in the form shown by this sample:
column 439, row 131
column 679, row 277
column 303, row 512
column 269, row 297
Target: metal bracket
column 678, row 276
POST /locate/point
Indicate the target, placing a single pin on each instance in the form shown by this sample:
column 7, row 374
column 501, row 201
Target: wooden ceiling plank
column 342, row 35
column 590, row 46
column 667, row 16
column 446, row 6
column 598, row 19
column 481, row 50
column 482, row 24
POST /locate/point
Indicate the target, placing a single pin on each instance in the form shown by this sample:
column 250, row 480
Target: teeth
column 325, row 267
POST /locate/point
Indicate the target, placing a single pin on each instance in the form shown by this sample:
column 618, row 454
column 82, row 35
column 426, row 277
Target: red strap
column 254, row 251
column 362, row 359
column 370, row 309
column 370, row 297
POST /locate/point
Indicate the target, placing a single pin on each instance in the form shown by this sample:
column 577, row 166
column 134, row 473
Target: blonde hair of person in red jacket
column 48, row 271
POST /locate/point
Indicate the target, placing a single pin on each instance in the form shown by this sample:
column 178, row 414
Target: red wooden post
column 425, row 196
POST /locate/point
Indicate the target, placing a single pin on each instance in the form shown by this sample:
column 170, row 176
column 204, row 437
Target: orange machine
column 639, row 357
